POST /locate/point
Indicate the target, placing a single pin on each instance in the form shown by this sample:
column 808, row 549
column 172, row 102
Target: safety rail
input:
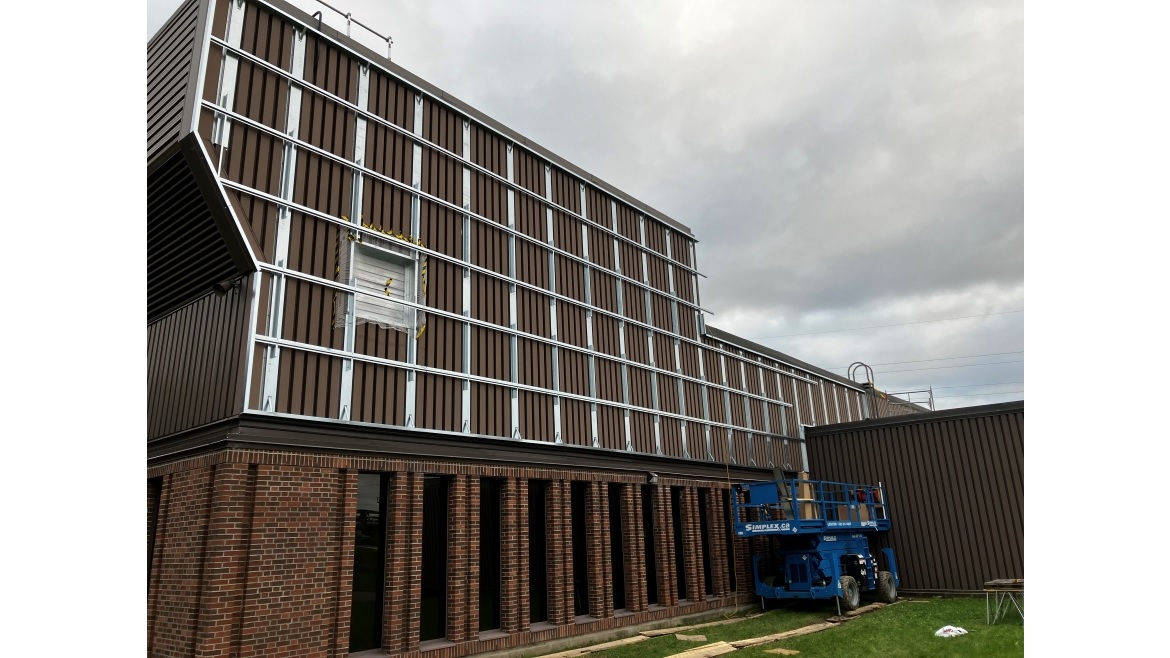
column 350, row 21
column 798, row 505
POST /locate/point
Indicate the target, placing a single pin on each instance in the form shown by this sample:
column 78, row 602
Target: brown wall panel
column 321, row 184
column 757, row 409
column 313, row 246
column 611, row 433
column 534, row 361
column 752, row 372
column 489, row 298
column 489, row 150
column 391, row 154
column 737, row 413
column 445, row 286
column 308, row 315
column 330, row 69
column 309, row 384
column 385, row 207
column 642, row 432
column 658, row 272
column 491, row 354
column 259, row 217
column 719, row 445
column 531, row 263
column 489, row 198
column 759, row 445
column 571, row 324
column 680, row 249
column 715, row 405
column 739, row 447
column 640, row 391
column 261, row 95
column 684, row 286
column 570, row 278
column 606, row 335
column 254, row 159
column 442, row 126
column 671, row 431
column 955, row 484
column 372, row 340
column 529, row 174
column 574, row 371
column 694, row 398
column 533, row 313
column 491, row 410
column 195, row 360
column 664, row 351
column 379, row 394
column 441, row 229
column 327, row 125
column 442, row 176
column 566, row 191
column 438, row 402
column 636, row 345
column 668, row 394
column 601, row 243
column 441, row 345
column 609, row 380
column 656, row 237
column 576, row 425
column 567, row 233
column 689, row 355
column 603, row 290
column 392, row 101
column 536, row 416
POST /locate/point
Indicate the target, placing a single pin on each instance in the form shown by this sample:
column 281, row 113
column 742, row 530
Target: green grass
column 906, row 629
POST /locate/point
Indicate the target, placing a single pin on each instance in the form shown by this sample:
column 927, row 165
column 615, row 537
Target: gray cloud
column 842, row 164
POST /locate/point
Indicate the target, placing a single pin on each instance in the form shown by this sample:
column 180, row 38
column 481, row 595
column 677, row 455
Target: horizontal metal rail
column 503, row 277
column 364, row 358
column 350, row 19
column 457, row 317
column 375, row 118
column 238, row 118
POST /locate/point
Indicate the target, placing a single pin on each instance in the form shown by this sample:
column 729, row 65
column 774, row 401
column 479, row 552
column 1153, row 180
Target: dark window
column 578, row 491
column 648, row 531
column 616, row 546
column 679, row 562
column 433, row 616
column 153, row 496
column 537, row 557
column 730, row 538
column 489, row 553
column 369, row 560
column 704, row 530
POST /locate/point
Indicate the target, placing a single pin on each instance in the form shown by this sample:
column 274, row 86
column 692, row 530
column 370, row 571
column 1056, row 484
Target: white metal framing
column 362, row 116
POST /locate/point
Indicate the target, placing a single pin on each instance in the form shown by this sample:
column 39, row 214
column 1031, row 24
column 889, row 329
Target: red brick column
column 347, row 527
column 514, row 612
column 472, row 601
column 743, row 569
column 717, row 522
column 692, row 545
column 635, row 547
column 597, row 547
column 179, row 569
column 664, row 546
column 606, row 547
column 160, row 544
column 560, row 543
column 457, row 538
column 400, row 627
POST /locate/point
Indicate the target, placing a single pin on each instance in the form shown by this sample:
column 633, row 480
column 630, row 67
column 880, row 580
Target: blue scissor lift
column 812, row 539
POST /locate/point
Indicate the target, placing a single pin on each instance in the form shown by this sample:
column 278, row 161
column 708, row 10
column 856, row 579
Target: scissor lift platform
column 813, row 539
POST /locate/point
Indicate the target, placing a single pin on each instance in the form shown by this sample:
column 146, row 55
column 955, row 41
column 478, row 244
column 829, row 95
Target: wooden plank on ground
column 690, row 638
column 573, row 653
column 783, row 652
column 678, row 629
column 706, row 651
column 805, row 630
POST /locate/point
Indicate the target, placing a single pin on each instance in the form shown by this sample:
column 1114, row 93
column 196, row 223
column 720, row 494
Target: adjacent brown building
column 418, row 385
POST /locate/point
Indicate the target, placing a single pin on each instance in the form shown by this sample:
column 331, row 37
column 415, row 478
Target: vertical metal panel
column 170, row 54
column 379, row 393
column 194, row 363
column 438, row 402
column 491, row 410
column 955, row 484
column 610, row 425
column 536, row 416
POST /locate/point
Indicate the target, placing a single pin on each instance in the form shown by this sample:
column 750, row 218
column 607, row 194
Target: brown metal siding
column 439, row 402
column 195, row 363
column 955, row 483
column 169, row 58
column 379, row 394
column 491, row 410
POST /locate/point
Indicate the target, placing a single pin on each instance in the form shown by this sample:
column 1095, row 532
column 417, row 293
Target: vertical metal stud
column 355, row 213
column 617, row 265
column 466, row 275
column 515, row 370
column 415, row 231
column 552, row 286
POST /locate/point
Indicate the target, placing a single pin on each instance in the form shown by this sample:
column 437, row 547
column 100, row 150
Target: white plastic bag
column 949, row 631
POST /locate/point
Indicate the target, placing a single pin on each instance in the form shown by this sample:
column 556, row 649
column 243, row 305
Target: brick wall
column 253, row 554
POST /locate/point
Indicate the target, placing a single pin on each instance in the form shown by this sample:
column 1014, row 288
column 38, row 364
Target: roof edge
column 923, row 417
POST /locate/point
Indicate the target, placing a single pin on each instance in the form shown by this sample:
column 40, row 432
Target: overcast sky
column 844, row 165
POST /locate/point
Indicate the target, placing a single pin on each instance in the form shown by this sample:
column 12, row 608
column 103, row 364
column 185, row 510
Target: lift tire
column 850, row 593
column 887, row 592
